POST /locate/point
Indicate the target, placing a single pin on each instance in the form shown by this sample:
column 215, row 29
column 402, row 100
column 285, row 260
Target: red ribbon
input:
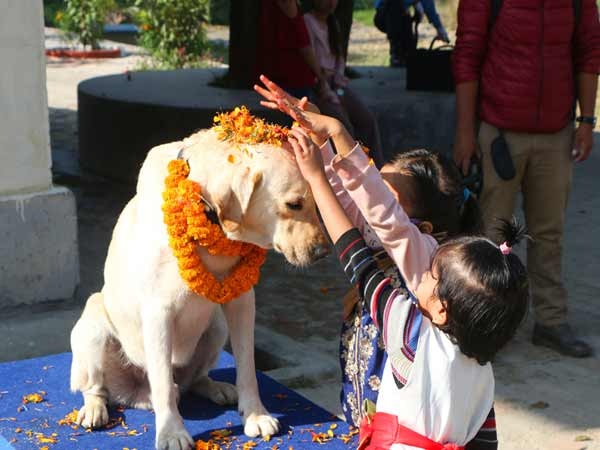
column 383, row 430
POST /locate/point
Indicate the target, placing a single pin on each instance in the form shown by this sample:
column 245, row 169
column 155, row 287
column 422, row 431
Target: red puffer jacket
column 526, row 62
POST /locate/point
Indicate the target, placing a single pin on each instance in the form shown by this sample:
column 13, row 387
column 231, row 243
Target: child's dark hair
column 335, row 36
column 485, row 290
column 436, row 194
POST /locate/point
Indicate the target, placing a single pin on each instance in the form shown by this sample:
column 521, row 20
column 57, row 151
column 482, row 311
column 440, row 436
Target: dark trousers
column 400, row 31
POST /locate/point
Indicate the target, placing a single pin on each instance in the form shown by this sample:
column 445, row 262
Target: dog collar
column 209, row 210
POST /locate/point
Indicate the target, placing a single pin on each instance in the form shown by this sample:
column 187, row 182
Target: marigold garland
column 241, row 127
column 188, row 227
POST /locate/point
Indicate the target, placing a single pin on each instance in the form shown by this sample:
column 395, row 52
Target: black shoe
column 562, row 339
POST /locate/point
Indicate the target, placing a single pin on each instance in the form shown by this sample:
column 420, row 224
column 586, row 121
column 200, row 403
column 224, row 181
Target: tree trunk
column 243, row 28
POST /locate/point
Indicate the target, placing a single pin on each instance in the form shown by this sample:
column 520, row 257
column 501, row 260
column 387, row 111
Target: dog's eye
column 294, row 206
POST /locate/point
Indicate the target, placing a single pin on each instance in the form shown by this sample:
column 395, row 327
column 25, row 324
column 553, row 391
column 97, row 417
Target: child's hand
column 320, row 126
column 308, row 155
column 274, row 92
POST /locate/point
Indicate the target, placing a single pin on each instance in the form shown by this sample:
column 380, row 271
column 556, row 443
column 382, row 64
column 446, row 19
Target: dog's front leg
column 240, row 320
column 157, row 328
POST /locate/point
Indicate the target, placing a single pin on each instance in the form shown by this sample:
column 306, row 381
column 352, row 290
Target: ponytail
column 511, row 233
column 485, row 289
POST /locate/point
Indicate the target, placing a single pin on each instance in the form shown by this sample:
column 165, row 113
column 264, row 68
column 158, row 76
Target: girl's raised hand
column 274, row 92
column 308, row 156
column 320, row 126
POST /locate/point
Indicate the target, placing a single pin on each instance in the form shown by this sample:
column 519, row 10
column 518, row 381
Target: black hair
column 485, row 291
column 436, row 193
column 335, row 36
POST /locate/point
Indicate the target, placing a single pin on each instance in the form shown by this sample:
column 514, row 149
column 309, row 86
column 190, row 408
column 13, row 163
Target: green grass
column 365, row 16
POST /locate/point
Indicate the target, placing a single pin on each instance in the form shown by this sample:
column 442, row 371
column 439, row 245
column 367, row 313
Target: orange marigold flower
column 241, row 127
column 189, row 228
column 37, row 397
column 70, row 418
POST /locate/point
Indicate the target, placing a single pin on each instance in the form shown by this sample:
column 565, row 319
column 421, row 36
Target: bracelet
column 587, row 119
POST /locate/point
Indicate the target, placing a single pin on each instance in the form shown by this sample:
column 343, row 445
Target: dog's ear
column 233, row 203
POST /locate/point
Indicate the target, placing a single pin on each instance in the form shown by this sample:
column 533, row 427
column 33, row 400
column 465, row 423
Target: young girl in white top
column 472, row 295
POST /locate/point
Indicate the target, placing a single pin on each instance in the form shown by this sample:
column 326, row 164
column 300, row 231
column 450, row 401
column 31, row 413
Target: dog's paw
column 261, row 425
column 93, row 414
column 223, row 393
column 174, row 438
column 216, row 391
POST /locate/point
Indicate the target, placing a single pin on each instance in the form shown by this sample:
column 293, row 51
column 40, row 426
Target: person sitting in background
column 284, row 51
column 335, row 98
column 394, row 19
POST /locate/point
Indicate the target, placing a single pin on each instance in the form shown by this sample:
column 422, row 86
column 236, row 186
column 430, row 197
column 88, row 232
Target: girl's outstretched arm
column 271, row 94
column 320, row 126
column 308, row 157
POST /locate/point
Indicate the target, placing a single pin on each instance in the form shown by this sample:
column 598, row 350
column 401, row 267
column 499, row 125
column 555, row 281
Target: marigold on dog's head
column 241, row 127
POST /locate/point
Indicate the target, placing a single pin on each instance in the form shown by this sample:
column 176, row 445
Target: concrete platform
column 38, row 241
column 121, row 117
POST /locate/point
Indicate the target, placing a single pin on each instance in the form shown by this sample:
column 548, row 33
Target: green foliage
column 173, row 31
column 219, row 12
column 51, row 9
column 84, row 19
column 364, row 16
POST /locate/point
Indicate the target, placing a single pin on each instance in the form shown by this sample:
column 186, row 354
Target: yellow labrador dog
column 146, row 337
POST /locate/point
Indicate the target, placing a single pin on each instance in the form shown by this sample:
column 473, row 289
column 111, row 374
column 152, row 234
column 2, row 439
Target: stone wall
column 121, row 119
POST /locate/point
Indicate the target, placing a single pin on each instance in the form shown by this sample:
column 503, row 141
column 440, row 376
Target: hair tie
column 466, row 194
column 505, row 248
column 461, row 200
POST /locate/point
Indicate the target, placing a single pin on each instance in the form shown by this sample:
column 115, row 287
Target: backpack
column 497, row 6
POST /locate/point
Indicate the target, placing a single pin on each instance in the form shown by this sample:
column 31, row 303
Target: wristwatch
column 591, row 120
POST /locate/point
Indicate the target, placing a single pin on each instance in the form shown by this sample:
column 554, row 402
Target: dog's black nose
column 319, row 251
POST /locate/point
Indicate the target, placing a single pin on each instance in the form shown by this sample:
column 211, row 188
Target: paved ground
column 544, row 401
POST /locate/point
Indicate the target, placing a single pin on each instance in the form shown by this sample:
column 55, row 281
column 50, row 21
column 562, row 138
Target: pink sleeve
column 345, row 200
column 410, row 249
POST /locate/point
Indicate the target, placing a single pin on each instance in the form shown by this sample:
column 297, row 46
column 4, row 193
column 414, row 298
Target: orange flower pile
column 37, row 397
column 70, row 419
column 188, row 227
column 241, row 127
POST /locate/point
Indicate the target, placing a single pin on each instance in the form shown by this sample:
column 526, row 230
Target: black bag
column 430, row 69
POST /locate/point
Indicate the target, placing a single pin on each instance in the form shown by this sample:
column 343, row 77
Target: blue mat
column 20, row 426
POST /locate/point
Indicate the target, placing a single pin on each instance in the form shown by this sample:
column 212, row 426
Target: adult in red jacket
column 518, row 74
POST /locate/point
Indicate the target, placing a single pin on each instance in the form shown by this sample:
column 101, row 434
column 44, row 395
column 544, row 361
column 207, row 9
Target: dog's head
column 262, row 198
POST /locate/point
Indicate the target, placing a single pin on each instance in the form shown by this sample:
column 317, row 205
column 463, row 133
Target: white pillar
column 38, row 221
